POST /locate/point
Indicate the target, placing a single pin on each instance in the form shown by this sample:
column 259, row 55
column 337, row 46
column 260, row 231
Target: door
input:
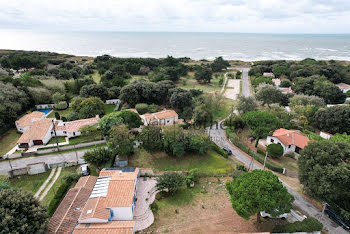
column 38, row 142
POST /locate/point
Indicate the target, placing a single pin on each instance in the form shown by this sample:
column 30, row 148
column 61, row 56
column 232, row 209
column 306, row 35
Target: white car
column 281, row 216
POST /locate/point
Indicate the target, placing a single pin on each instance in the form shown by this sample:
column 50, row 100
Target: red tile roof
column 113, row 227
column 27, row 119
column 291, row 137
column 37, row 130
column 76, row 125
column 67, row 214
column 343, row 86
column 165, row 114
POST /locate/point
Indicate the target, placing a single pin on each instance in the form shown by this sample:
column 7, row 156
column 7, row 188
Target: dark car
column 336, row 217
column 227, row 150
column 85, row 170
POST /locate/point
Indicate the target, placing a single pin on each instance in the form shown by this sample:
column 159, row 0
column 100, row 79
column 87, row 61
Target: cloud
column 270, row 16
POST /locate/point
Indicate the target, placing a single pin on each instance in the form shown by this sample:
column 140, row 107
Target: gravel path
column 36, row 195
column 233, row 89
column 51, row 184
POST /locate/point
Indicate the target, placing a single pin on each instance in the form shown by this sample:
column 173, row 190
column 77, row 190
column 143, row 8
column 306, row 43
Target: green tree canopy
column 324, row 170
column 120, row 140
column 98, row 156
column 110, row 120
column 170, row 181
column 256, row 191
column 94, row 90
column 246, row 104
column 89, row 107
column 268, row 94
column 304, row 100
column 151, row 137
column 219, row 64
column 203, row 74
column 20, row 212
column 262, row 123
column 335, row 119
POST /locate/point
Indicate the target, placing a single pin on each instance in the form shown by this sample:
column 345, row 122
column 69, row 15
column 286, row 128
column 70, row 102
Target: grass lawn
column 95, row 76
column 289, row 163
column 224, row 112
column 30, row 183
column 65, row 172
column 85, row 139
column 53, row 140
column 189, row 82
column 211, row 163
column 64, row 113
column 109, row 108
column 8, row 140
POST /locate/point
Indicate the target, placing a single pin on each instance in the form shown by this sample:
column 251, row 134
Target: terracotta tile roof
column 291, row 137
column 113, row 227
column 165, row 114
column 74, row 126
column 120, row 193
column 343, row 86
column 149, row 117
column 37, row 130
column 66, row 215
column 26, row 120
column 95, row 208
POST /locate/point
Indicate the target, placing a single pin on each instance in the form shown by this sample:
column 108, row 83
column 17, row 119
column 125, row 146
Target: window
column 73, row 133
column 64, row 132
column 272, row 140
column 168, row 121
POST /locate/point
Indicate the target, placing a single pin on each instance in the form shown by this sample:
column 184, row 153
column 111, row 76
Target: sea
column 231, row 46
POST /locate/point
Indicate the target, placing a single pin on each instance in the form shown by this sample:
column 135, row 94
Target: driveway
column 233, row 89
column 145, row 195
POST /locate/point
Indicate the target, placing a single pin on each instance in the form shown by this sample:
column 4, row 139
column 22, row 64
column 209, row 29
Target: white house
column 112, row 201
column 343, row 87
column 45, row 106
column 36, row 129
column 277, row 82
column 326, row 135
column 112, row 101
column 290, row 140
column 165, row 117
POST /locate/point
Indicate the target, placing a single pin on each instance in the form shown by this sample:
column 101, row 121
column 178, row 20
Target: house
column 113, row 101
column 110, row 207
column 290, row 140
column 286, row 90
column 72, row 128
column 36, row 129
column 165, row 117
column 277, row 82
column 269, row 74
column 343, row 87
column 68, row 212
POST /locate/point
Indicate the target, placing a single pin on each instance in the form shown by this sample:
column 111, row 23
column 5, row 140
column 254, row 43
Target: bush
column 153, row 108
column 260, row 151
column 240, row 167
column 237, row 173
column 57, row 115
column 192, row 177
column 154, row 207
column 141, row 108
column 73, row 116
column 274, row 150
column 61, row 105
column 307, row 225
column 171, row 182
column 235, row 121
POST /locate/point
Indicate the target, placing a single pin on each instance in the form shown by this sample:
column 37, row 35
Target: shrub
column 235, row 121
column 240, row 167
column 274, row 150
column 192, row 177
column 218, row 150
column 260, row 151
column 57, row 115
column 171, row 182
column 141, row 108
column 154, row 207
column 73, row 116
column 237, row 173
column 307, row 225
column 153, row 108
column 61, row 105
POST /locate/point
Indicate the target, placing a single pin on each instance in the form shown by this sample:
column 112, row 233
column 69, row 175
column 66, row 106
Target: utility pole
column 265, row 160
column 76, row 154
column 54, row 130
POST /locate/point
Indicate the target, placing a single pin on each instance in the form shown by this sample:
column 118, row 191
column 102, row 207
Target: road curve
column 217, row 134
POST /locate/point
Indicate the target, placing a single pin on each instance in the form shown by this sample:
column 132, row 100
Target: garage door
column 38, row 142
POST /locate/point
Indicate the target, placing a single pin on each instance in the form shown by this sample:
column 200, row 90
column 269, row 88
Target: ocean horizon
column 196, row 45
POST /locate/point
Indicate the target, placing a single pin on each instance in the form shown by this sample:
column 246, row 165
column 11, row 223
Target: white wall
column 277, row 141
column 47, row 136
column 122, row 213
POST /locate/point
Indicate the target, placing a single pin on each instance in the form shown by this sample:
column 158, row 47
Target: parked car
column 336, row 217
column 267, row 215
column 227, row 150
column 85, row 170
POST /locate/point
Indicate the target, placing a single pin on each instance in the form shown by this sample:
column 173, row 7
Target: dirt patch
column 208, row 212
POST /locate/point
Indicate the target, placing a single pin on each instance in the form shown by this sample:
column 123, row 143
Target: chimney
column 120, row 173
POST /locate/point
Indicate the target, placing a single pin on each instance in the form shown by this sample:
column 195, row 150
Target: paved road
column 245, row 80
column 48, row 159
column 218, row 135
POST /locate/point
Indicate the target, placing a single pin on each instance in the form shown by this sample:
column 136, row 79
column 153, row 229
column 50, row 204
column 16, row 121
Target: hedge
column 61, row 105
column 307, row 225
column 61, row 192
column 219, row 150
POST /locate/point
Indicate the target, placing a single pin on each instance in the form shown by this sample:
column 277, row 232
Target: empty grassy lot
column 8, row 140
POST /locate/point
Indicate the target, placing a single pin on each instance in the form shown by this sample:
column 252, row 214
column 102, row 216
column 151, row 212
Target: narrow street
column 219, row 137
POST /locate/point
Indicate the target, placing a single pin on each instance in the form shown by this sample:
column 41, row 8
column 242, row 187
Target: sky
column 245, row 16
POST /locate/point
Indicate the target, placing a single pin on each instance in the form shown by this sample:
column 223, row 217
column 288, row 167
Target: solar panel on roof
column 101, row 187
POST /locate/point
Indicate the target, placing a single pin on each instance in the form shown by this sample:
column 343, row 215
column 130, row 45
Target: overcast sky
column 253, row 16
